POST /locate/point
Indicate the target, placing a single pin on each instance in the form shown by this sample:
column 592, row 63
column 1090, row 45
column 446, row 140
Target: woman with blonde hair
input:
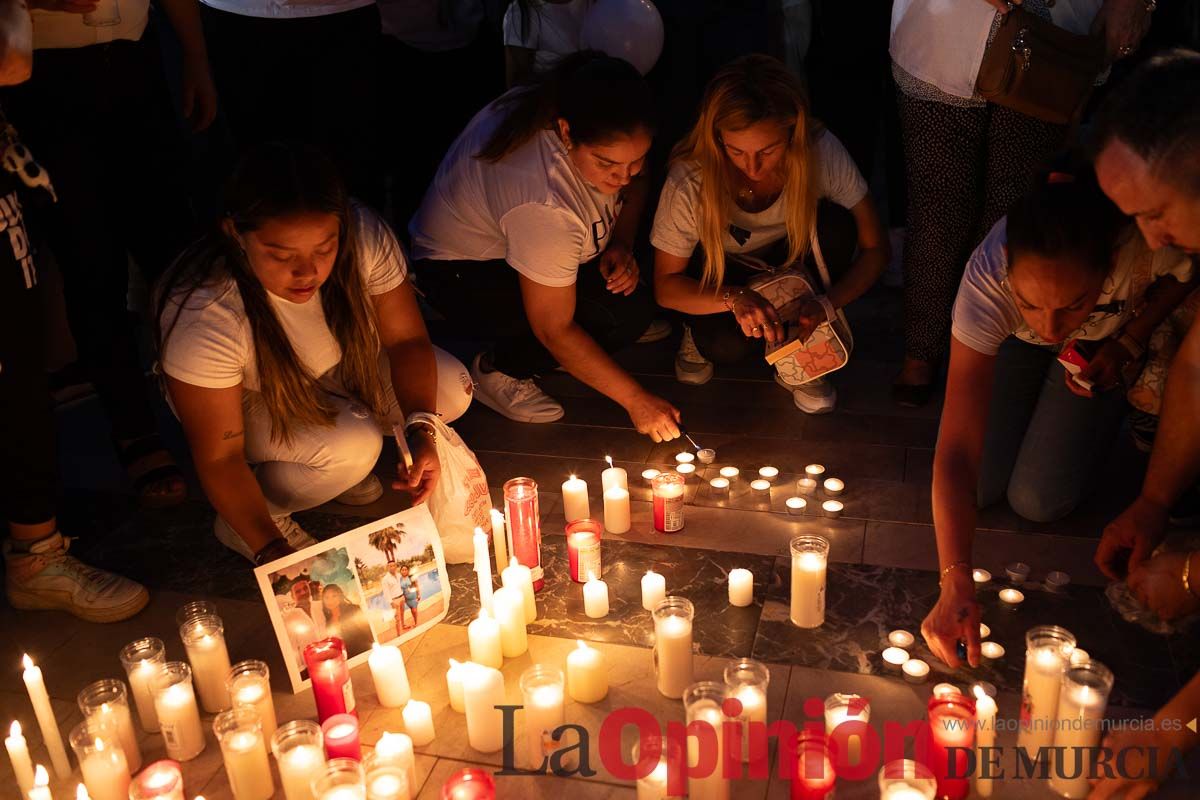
column 751, row 184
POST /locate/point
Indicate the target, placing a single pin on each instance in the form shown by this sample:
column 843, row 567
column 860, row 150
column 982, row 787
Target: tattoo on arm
column 230, row 435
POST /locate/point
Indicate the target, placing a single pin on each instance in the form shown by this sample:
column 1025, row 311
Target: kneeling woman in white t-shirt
column 745, row 186
column 286, row 338
column 525, row 239
column 1063, row 265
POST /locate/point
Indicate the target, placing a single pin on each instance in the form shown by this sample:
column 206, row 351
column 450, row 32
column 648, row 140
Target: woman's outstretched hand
column 954, row 618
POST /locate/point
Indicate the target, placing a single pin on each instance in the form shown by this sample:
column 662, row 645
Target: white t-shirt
column 985, row 313
column 676, row 223
column 212, row 345
column 941, row 42
column 286, row 9
column 58, row 30
column 432, row 26
column 552, row 31
column 531, row 208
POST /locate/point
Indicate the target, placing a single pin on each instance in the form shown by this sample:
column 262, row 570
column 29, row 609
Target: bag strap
column 844, row 332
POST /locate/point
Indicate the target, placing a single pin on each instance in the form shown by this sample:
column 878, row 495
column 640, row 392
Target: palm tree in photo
column 386, row 540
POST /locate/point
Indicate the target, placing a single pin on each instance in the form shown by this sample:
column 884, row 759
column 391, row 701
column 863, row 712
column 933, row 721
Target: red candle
column 668, row 502
column 326, row 663
column 469, row 784
column 524, row 527
column 162, row 780
column 341, row 737
column 583, row 549
column 815, row 776
column 951, row 724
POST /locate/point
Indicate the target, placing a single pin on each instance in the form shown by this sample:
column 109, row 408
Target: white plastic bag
column 460, row 501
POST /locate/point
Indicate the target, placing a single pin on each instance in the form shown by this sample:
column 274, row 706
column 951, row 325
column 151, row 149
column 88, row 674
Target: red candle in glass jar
column 340, row 733
column 469, row 784
column 162, row 780
column 815, row 776
column 326, row 663
column 583, row 549
column 524, row 526
column 668, row 502
column 951, row 724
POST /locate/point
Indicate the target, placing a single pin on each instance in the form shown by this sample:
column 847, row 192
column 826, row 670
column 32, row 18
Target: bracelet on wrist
column 950, row 568
column 730, row 297
column 421, row 425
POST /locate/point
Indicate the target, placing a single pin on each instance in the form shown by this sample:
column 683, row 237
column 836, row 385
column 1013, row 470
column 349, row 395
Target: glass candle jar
column 1048, row 650
column 905, row 779
column 178, row 714
column 668, row 502
column 299, row 749
column 951, row 736
column 673, row 645
column 342, row 737
column 583, row 549
column 101, row 759
column 810, row 557
column 748, row 681
column 542, row 692
column 142, row 659
column 385, row 778
column 341, row 779
column 666, row 755
column 204, row 641
column 239, row 732
column 469, row 784
column 1081, row 705
column 107, row 702
column 815, row 777
column 162, row 780
column 846, row 716
column 703, row 703
column 196, row 608
column 249, row 684
column 325, row 661
column 524, row 526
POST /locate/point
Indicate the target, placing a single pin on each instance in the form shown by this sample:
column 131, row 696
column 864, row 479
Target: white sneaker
column 520, row 400
column 365, row 492
column 691, row 367
column 295, row 536
column 47, row 578
column 659, row 329
column 815, row 397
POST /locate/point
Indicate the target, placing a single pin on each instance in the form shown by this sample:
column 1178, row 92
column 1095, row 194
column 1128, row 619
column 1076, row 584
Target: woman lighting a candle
column 274, row 333
column 1064, row 265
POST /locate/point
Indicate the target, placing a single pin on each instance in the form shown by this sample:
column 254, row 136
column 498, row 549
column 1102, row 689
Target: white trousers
column 319, row 463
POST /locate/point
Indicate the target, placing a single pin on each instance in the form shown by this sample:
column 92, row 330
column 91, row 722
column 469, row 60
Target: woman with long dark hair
column 271, row 332
column 345, row 620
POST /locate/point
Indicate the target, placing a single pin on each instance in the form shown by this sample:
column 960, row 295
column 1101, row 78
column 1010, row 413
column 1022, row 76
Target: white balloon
column 628, row 29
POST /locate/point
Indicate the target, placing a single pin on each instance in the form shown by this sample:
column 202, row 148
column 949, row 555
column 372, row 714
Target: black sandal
column 149, row 465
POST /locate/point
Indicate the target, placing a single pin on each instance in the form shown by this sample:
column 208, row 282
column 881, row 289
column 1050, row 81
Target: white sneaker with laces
column 520, row 400
column 295, row 536
column 691, row 367
column 47, row 578
column 365, row 492
column 814, row 397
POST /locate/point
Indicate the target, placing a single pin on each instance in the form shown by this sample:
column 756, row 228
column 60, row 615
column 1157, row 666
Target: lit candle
column 840, row 708
column 815, row 775
column 832, row 508
column 524, row 527
column 945, row 690
column 454, row 684
column 250, row 685
column 613, row 476
column 991, row 650
column 768, row 473
column 595, row 597
column 81, row 793
column 499, row 539
column 300, row 753
column 204, row 641
column 702, row 704
column 1047, row 653
column 952, row 731
column 178, row 714
column 686, row 469
column 981, row 576
column 41, row 784
column 915, row 670
column 397, row 748
column 833, row 487
column 510, row 613
column 719, row 485
column 649, row 474
column 583, row 547
column 814, row 471
column 796, row 505
column 748, row 681
column 673, row 645
column 806, row 486
column 520, row 578
column 483, row 569
column 332, row 689
column 668, row 502
column 741, row 587
column 984, row 631
column 483, row 690
column 761, row 488
column 985, row 736
column 341, row 737
column 809, row 558
column 684, row 458
column 654, row 589
column 239, row 733
column 654, row 785
column 1011, row 598
column 418, row 722
column 340, row 779
column 575, row 499
column 542, row 695
column 18, row 754
column 616, row 510
column 729, row 472
column 1081, row 706
column 901, row 638
column 385, row 780
column 706, row 455
column 894, row 657
column 36, row 686
column 107, row 702
column 389, row 674
column 483, row 638
column 101, row 760
column 142, row 660
column 904, row 779
column 469, row 784
column 587, row 674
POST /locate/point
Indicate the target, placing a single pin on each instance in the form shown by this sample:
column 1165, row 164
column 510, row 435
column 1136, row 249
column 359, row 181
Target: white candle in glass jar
column 179, row 720
column 741, row 587
column 397, row 748
column 654, row 589
column 1080, row 717
column 418, row 722
column 140, row 677
column 595, row 598
column 386, row 663
column 297, row 768
column 510, row 613
column 106, row 773
column 985, row 736
column 483, row 690
column 841, row 708
column 209, row 657
column 713, row 785
column 654, row 785
column 1043, row 678
column 247, row 766
column 587, row 674
column 543, row 714
column 673, row 646
column 483, row 638
column 808, row 590
column 255, row 691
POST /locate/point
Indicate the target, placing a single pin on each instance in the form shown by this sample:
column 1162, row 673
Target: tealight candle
column 299, row 751
column 1018, row 572
column 991, row 650
column 341, row 737
column 832, row 508
column 204, row 642
column 761, row 486
column 389, row 674
column 587, row 674
column 239, row 733
column 741, row 587
column 18, row 754
column 894, row 657
column 984, row 631
column 981, row 575
column 796, row 505
column 649, row 474
column 730, row 472
column 51, row 736
column 595, row 598
column 706, row 455
column 719, row 485
column 901, row 638
column 484, row 640
column 814, row 471
column 768, row 473
column 575, row 499
column 833, row 487
column 686, row 469
column 1057, row 580
column 418, row 722
column 806, row 485
column 654, row 589
column 1011, row 598
column 946, row 690
column 915, row 670
column 684, row 458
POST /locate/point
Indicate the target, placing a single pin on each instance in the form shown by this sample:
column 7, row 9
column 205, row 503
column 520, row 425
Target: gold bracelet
column 947, row 570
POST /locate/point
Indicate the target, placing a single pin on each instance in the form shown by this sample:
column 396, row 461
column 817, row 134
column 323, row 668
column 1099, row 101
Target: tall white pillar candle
column 985, row 736
column 575, row 499
column 654, row 589
column 1081, row 706
column 483, row 637
column 809, row 558
column 510, row 613
column 483, row 690
column 239, row 733
column 520, row 578
column 483, row 569
column 587, row 674
column 250, row 685
column 389, row 674
column 616, row 510
column 300, row 756
column 204, row 641
column 18, row 754
column 673, row 645
column 51, row 736
column 418, row 722
column 595, row 598
column 142, row 659
column 1047, row 654
column 178, row 714
column 741, row 587
column 613, row 476
column 499, row 539
column 454, row 684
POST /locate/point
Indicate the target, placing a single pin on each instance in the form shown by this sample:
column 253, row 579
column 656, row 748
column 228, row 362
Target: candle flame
column 375, row 647
column 609, row 460
column 483, row 614
column 40, row 776
column 26, row 661
column 454, row 664
column 99, row 745
column 581, row 644
column 104, row 709
column 572, row 477
column 81, row 793
column 979, row 692
column 515, row 561
column 14, row 730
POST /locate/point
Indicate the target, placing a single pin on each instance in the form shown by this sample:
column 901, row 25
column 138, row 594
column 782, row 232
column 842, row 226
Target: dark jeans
column 312, row 79
column 483, row 298
column 100, row 120
column 718, row 337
